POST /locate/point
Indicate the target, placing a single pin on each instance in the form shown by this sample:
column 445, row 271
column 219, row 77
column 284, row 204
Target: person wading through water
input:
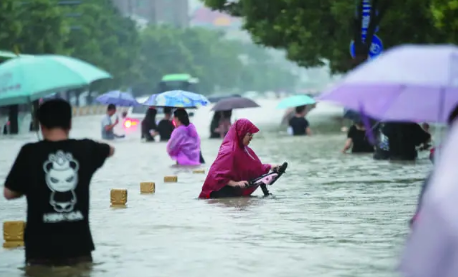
column 54, row 176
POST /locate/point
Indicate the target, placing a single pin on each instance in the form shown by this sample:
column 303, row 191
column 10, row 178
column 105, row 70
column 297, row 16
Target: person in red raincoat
column 235, row 165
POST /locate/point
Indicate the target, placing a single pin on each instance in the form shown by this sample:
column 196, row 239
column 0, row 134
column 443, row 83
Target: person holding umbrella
column 298, row 125
column 221, row 122
column 224, row 123
column 107, row 126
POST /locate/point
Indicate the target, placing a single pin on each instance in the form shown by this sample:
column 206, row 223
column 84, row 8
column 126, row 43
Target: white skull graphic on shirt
column 61, row 173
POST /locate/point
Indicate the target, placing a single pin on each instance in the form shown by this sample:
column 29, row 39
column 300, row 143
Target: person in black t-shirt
column 165, row 126
column 357, row 139
column 54, row 175
column 403, row 137
column 298, row 124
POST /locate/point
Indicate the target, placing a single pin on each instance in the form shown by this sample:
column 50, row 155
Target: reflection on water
column 331, row 214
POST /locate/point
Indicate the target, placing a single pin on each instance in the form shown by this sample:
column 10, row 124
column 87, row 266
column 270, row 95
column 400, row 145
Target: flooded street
column 331, row 214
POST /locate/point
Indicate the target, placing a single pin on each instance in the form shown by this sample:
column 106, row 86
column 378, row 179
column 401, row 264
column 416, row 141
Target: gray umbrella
column 234, row 103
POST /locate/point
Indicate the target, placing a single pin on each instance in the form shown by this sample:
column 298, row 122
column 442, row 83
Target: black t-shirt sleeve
column 351, row 132
column 17, row 178
column 99, row 153
column 291, row 122
column 306, row 123
column 300, row 123
column 161, row 126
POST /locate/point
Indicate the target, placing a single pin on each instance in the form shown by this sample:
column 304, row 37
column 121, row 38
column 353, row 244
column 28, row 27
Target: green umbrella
column 26, row 79
column 296, row 101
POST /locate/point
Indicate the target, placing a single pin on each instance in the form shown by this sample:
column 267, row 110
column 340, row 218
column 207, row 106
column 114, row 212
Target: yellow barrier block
column 170, row 179
column 199, row 171
column 13, row 234
column 118, row 198
column 74, row 111
column 147, row 187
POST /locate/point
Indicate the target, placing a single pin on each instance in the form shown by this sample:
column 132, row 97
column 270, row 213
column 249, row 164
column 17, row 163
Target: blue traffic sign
column 375, row 50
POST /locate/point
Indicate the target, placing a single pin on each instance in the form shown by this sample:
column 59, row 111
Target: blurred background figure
column 165, row 126
column 149, row 126
column 107, row 126
column 298, row 125
column 403, row 139
column 357, row 139
column 184, row 144
column 214, row 124
column 224, row 123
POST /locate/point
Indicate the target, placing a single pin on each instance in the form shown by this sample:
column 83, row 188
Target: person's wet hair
column 55, row 113
column 452, row 116
column 359, row 122
column 300, row 109
column 182, row 115
column 111, row 107
column 151, row 113
column 167, row 110
column 217, row 116
column 227, row 114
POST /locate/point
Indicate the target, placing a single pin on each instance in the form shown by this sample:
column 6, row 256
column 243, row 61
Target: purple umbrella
column 432, row 248
column 117, row 98
column 407, row 83
column 234, row 103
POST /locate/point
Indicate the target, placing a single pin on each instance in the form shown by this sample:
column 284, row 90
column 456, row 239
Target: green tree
column 217, row 57
column 162, row 52
column 103, row 37
column 314, row 31
column 204, row 54
column 219, row 63
column 33, row 27
column 445, row 14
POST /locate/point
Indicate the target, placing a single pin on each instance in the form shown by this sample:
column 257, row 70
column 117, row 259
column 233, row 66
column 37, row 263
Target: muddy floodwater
column 331, row 214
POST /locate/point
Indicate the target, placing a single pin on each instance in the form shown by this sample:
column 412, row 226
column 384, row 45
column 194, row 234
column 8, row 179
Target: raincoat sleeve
column 223, row 170
column 219, row 175
column 266, row 168
column 175, row 142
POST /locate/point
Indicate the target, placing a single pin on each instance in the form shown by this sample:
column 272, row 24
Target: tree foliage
column 33, row 27
column 207, row 55
column 313, row 31
column 96, row 32
column 445, row 14
column 102, row 36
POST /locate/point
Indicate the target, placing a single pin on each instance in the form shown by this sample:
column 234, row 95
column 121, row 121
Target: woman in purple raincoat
column 184, row 144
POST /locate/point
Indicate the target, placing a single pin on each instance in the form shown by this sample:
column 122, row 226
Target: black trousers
column 226, row 191
column 202, row 161
column 60, row 261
